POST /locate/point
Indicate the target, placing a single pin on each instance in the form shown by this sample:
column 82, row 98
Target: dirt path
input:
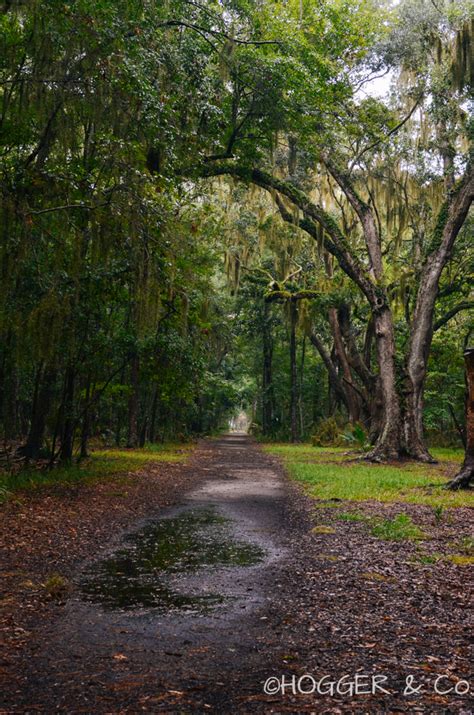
column 213, row 577
column 109, row 650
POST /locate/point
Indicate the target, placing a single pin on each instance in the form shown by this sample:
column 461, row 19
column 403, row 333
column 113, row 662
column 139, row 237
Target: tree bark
column 466, row 475
column 352, row 399
column 388, row 442
column 354, row 357
column 334, row 380
column 300, row 386
column 143, row 432
column 154, row 409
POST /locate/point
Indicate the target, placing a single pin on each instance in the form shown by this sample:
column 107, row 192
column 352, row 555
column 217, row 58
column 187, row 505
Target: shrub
column 56, row 586
column 357, row 436
column 327, row 434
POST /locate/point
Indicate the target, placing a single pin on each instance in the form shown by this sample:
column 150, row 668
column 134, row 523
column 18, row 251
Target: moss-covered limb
column 365, row 214
column 285, row 295
column 452, row 213
column 438, row 231
column 305, row 295
column 333, row 238
column 277, row 296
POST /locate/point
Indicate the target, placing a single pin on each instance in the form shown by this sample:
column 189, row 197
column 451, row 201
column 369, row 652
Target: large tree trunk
column 412, row 430
column 293, row 374
column 466, row 475
column 333, row 378
column 352, row 399
column 388, row 444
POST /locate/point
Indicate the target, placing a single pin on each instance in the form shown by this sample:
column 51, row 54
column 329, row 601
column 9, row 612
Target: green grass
column 427, row 559
column 102, row 464
column 308, row 453
column 351, row 516
column 397, row 529
column 466, row 545
column 448, row 454
column 329, row 473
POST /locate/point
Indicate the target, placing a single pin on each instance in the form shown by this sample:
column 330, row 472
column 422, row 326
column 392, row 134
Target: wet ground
column 169, row 617
column 190, row 599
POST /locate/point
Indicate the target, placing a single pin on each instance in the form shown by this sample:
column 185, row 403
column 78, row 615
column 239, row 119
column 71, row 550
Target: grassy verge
column 332, row 473
column 102, row 464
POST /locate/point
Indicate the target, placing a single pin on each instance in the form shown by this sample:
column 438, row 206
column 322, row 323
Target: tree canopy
column 208, row 207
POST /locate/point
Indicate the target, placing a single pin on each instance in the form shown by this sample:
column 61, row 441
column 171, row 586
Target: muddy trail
column 174, row 616
column 212, row 577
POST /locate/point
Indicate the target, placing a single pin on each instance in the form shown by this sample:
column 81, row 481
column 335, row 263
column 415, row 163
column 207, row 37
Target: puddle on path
column 143, row 573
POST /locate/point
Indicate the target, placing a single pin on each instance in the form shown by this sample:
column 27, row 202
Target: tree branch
column 365, row 214
column 330, row 367
column 464, row 305
column 216, row 33
column 66, row 207
column 333, row 239
column 388, row 135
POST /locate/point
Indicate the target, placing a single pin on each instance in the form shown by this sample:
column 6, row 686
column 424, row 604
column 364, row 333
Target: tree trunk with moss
column 466, row 475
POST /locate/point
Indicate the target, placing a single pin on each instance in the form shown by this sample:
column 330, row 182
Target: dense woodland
column 206, row 207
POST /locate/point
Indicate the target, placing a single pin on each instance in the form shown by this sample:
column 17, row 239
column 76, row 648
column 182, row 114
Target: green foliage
column 356, row 436
column 107, row 263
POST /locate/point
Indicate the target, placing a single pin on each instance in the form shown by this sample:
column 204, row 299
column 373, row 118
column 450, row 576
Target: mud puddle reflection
column 145, row 573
